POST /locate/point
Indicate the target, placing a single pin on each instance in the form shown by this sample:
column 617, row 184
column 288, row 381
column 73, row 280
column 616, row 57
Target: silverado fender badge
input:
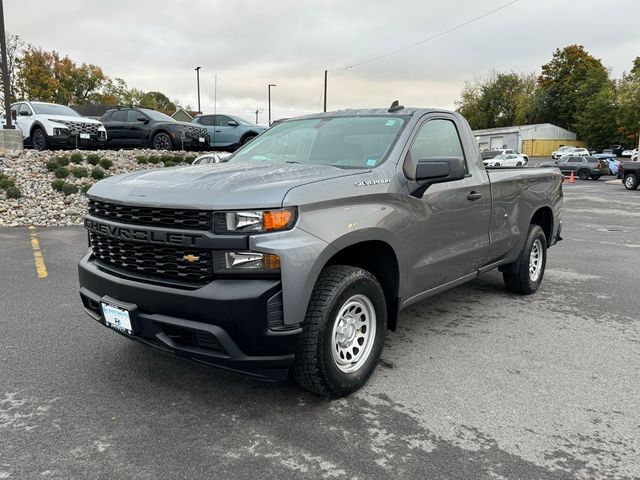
column 368, row 183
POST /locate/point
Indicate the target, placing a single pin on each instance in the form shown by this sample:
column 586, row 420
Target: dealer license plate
column 117, row 318
column 201, row 139
column 85, row 136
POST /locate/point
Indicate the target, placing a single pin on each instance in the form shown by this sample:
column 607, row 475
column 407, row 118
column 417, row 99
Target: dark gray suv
column 582, row 167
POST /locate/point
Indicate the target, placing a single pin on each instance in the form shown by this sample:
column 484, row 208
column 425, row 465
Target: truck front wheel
column 343, row 332
column 530, row 265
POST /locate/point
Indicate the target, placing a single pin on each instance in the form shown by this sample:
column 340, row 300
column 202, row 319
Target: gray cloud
column 155, row 45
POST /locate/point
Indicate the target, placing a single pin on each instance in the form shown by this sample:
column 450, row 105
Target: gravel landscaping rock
column 41, row 205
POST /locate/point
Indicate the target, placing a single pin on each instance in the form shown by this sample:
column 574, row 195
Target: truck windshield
column 346, row 142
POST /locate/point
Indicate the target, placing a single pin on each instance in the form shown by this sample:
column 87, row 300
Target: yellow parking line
column 41, row 268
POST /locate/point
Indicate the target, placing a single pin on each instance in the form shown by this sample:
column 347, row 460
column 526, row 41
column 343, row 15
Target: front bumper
column 74, row 141
column 188, row 142
column 226, row 324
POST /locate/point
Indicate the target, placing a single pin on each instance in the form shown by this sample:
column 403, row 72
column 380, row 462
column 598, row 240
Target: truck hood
column 214, row 186
column 69, row 118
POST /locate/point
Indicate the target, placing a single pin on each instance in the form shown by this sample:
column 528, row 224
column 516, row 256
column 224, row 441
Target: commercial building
column 537, row 140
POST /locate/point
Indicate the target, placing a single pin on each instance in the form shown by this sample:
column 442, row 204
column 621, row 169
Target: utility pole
column 257, row 116
column 5, row 72
column 198, row 79
column 325, row 90
column 269, row 89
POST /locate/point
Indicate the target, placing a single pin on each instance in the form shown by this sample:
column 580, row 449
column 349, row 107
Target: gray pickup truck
column 298, row 254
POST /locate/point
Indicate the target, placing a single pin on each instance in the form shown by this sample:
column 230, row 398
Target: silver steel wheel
column 354, row 332
column 535, row 261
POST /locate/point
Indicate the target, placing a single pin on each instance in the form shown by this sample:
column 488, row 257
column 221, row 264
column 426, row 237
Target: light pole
column 5, row 71
column 269, row 89
column 198, row 79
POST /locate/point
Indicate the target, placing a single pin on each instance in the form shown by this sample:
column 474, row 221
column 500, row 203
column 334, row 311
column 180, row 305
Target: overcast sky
column 155, row 45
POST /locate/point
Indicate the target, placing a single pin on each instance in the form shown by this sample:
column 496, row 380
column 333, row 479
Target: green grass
column 61, row 172
column 106, row 163
column 57, row 184
column 76, row 157
column 5, row 182
column 68, row 188
column 79, row 172
column 93, row 159
column 97, row 173
column 13, row 192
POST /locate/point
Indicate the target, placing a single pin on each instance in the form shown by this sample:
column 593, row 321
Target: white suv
column 45, row 125
column 575, row 152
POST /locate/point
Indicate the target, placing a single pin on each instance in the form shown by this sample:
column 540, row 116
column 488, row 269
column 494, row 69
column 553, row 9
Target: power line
column 425, row 40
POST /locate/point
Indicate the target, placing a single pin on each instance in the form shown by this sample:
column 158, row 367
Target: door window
column 24, row 109
column 222, row 121
column 134, row 115
column 119, row 116
column 575, row 160
column 436, row 138
column 206, row 120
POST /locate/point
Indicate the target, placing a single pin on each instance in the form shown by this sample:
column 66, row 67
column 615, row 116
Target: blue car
column 611, row 160
column 228, row 131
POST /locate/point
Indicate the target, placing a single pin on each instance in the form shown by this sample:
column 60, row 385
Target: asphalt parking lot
column 476, row 383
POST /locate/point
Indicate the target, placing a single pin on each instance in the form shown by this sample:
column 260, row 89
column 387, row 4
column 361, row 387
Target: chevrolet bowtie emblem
column 191, row 258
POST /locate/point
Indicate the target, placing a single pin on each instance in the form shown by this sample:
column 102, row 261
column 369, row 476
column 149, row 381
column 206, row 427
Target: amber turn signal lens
column 271, row 262
column 277, row 219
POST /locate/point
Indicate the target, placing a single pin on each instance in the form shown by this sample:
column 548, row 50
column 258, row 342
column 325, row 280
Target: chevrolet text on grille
column 142, row 235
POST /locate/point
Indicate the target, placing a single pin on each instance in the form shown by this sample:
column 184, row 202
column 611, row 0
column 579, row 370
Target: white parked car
column 562, row 150
column 575, row 152
column 634, row 157
column 211, row 158
column 629, row 153
column 507, row 160
column 508, row 151
column 45, row 125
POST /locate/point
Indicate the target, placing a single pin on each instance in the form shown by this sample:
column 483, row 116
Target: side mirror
column 14, row 114
column 232, row 123
column 143, row 119
column 436, row 170
column 24, row 113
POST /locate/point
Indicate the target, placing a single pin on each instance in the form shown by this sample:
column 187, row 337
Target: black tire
column 497, row 164
column 315, row 367
column 39, row 139
column 584, row 174
column 162, row 141
column 630, row 181
column 595, row 177
column 521, row 280
column 519, row 164
column 247, row 139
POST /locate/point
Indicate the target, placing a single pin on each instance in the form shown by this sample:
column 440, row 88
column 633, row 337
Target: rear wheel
column 519, row 164
column 595, row 177
column 497, row 164
column 583, row 175
column 630, row 181
column 39, row 139
column 247, row 139
column 162, row 141
column 343, row 332
column 530, row 265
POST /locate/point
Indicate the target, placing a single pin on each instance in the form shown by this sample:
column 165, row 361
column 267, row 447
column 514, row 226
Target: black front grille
column 80, row 127
column 157, row 217
column 186, row 265
column 197, row 131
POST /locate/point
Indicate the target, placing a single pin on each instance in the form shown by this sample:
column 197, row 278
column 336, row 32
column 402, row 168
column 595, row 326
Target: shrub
column 93, row 159
column 69, row 188
column 97, row 173
column 76, row 157
column 62, row 160
column 61, row 172
column 106, row 163
column 57, row 184
column 52, row 165
column 169, row 163
column 5, row 182
column 189, row 159
column 13, row 192
column 154, row 159
column 142, row 159
column 167, row 158
column 79, row 172
column 85, row 188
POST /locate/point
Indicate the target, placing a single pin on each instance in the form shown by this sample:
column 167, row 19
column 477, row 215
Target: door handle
column 474, row 196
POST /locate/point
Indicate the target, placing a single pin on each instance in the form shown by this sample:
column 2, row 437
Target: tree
column 571, row 76
column 498, row 101
column 628, row 112
column 595, row 120
column 15, row 47
column 158, row 101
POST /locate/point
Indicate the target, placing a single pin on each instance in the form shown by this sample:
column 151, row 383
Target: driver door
column 24, row 119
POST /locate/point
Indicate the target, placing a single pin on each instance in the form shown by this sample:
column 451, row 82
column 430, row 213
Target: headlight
column 60, row 131
column 254, row 221
column 245, row 262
